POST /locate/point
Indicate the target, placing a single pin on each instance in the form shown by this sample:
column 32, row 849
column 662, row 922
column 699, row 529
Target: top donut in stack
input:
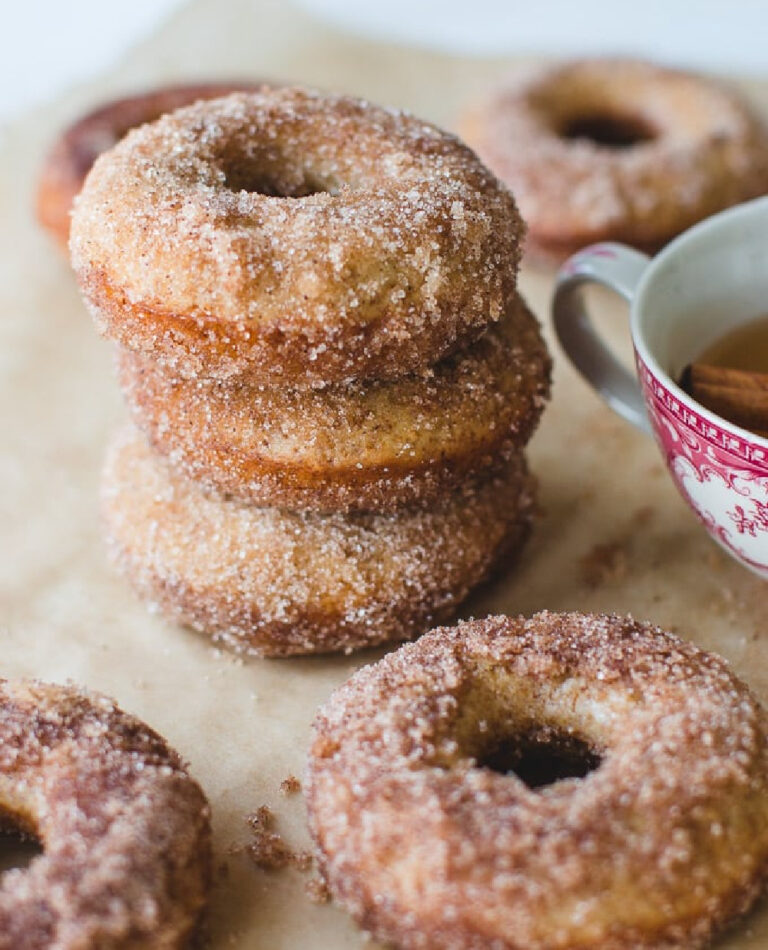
column 303, row 239
column 316, row 302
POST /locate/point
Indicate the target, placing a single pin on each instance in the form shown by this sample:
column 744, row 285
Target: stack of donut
column 330, row 372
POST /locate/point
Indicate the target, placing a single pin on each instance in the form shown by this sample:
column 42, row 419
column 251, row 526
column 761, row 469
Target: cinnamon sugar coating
column 125, row 831
column 658, row 847
column 271, row 582
column 77, row 148
column 303, row 238
column 375, row 445
column 699, row 149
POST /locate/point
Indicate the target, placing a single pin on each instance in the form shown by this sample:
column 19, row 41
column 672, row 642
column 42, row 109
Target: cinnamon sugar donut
column 272, row 582
column 125, row 831
column 614, row 149
column 374, row 445
column 77, row 148
column 651, row 831
column 301, row 237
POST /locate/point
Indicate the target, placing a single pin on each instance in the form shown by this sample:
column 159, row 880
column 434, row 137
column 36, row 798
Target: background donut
column 77, row 148
column 618, row 149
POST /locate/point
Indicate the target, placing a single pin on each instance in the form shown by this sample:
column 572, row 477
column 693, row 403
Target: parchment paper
column 614, row 535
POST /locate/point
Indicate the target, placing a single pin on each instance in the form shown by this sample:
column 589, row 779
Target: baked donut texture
column 271, row 582
column 614, row 149
column 657, row 847
column 303, row 238
column 125, row 831
column 375, row 445
column 77, row 148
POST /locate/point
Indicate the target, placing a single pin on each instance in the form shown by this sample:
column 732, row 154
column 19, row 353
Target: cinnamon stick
column 738, row 395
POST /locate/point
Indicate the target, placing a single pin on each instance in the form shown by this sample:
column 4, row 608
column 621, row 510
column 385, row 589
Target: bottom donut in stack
column 275, row 582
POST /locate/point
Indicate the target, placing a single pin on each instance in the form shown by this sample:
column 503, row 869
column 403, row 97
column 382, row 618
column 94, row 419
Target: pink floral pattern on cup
column 722, row 475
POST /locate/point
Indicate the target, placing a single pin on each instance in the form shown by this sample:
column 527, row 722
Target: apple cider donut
column 373, row 445
column 77, row 148
column 614, row 149
column 124, row 830
column 556, row 783
column 271, row 582
column 301, row 237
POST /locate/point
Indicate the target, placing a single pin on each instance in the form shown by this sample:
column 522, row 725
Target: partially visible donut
column 299, row 237
column 375, row 445
column 614, row 149
column 652, row 832
column 271, row 582
column 77, row 148
column 125, row 831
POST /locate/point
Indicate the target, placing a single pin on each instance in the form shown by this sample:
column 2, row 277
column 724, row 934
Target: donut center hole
column 541, row 757
column 245, row 175
column 608, row 131
column 18, row 847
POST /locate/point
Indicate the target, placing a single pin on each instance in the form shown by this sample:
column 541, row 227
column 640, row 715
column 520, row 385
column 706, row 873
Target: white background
column 46, row 45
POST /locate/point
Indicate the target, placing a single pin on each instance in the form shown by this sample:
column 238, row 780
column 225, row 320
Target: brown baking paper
column 613, row 534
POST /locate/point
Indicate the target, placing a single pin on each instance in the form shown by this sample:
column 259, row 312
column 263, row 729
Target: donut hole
column 256, row 177
column 541, row 757
column 608, row 130
column 19, row 846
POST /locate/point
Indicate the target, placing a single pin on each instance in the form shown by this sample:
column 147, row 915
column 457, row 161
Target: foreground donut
column 429, row 840
column 373, row 446
column 273, row 582
column 302, row 237
column 124, row 830
column 77, row 148
column 618, row 150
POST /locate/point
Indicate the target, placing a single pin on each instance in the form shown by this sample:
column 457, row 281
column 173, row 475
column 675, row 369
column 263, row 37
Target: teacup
column 704, row 283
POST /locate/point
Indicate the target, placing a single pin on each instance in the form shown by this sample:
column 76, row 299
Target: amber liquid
column 730, row 377
column 744, row 347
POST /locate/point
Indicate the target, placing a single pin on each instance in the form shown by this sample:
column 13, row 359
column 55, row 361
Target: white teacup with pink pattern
column 707, row 281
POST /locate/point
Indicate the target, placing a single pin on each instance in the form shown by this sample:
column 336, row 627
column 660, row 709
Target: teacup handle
column 620, row 269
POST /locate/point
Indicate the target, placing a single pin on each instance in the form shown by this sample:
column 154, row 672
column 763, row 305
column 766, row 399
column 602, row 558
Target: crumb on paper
column 267, row 849
column 604, row 563
column 290, row 785
column 262, row 819
column 642, row 516
column 317, row 891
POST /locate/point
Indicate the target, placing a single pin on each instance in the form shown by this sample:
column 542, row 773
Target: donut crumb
column 290, row 785
column 604, row 563
column 268, row 849
column 317, row 891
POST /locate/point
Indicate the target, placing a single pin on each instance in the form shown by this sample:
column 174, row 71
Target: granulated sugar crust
column 709, row 151
column 659, row 847
column 301, row 237
column 125, row 831
column 374, row 446
column 273, row 582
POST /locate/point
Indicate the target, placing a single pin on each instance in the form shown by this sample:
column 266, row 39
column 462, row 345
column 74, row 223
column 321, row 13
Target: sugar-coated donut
column 125, row 831
column 304, row 238
column 77, row 148
column 431, row 840
column 614, row 149
column 273, row 582
column 375, row 445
